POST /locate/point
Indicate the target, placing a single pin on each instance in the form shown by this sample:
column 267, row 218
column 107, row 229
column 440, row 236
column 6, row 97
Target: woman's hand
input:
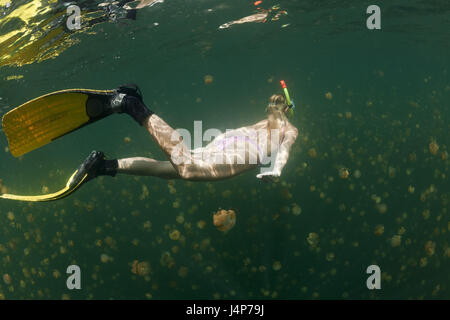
column 268, row 176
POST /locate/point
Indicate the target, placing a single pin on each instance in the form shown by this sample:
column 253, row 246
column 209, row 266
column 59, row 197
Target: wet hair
column 277, row 104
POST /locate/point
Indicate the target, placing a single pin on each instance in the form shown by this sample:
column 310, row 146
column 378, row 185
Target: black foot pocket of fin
column 88, row 170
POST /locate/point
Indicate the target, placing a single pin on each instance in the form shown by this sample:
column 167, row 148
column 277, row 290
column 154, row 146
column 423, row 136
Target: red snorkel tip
column 283, row 84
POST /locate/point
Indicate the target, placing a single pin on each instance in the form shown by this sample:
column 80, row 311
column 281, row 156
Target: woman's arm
column 283, row 153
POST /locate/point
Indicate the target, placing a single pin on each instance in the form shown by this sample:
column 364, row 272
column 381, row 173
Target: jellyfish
column 433, row 147
column 344, row 173
column 208, row 79
column 224, row 220
column 7, row 278
column 140, row 268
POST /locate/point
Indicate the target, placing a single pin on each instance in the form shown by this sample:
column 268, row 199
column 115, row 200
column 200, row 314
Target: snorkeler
column 228, row 154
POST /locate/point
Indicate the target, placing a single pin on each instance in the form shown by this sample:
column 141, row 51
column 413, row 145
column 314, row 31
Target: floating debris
column 14, row 77
column 257, row 17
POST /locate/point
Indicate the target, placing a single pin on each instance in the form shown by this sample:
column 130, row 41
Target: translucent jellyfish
column 312, row 153
column 296, row 210
column 140, row 268
column 224, row 220
column 276, row 265
column 145, row 193
column 313, row 239
column 167, row 260
column 226, row 193
column 182, row 272
column 426, row 214
column 176, row 204
column 7, row 278
column 201, row 224
column 423, row 262
column 3, row 189
column 391, row 172
column 180, row 219
column 379, row 230
column 433, row 147
column 105, row 258
column 147, row 225
column 174, row 235
column 430, row 247
column 11, row 216
column 344, row 173
column 396, row 240
column 381, row 207
column 208, row 79
column 330, row 256
column 447, row 252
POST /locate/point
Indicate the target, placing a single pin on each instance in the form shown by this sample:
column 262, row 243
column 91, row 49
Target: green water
column 374, row 102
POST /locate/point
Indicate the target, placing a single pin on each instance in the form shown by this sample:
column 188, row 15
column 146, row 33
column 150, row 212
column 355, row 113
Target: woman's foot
column 95, row 165
column 128, row 99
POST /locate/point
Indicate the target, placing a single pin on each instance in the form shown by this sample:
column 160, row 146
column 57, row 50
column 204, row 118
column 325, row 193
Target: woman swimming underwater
column 227, row 155
column 265, row 144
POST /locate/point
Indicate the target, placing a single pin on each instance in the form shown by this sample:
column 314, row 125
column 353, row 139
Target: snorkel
column 290, row 102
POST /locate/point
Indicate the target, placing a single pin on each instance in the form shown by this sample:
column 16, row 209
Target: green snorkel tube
column 290, row 102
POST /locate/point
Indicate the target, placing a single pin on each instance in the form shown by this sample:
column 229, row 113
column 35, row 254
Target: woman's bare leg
column 170, row 141
column 147, row 167
column 190, row 168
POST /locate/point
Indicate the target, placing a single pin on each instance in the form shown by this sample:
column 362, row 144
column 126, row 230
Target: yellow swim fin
column 68, row 189
column 85, row 172
column 46, row 118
